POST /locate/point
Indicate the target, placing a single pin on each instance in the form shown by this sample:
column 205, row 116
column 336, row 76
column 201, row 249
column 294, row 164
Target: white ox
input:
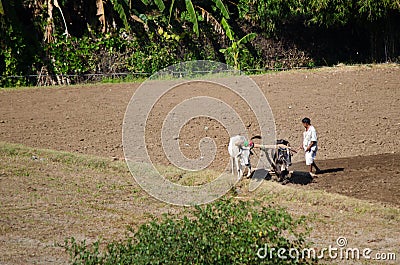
column 240, row 150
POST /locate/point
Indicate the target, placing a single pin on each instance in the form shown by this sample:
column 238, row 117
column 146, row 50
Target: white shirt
column 310, row 136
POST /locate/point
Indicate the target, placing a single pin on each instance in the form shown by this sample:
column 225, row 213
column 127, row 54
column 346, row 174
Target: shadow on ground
column 295, row 177
column 330, row 170
column 304, row 178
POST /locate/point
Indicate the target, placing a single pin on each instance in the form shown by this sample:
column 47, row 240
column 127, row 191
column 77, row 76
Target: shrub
column 224, row 232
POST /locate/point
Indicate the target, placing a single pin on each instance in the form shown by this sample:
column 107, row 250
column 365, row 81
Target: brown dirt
column 354, row 109
column 374, row 177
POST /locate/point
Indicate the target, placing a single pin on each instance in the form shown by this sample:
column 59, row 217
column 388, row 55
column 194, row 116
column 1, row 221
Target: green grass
column 105, row 81
column 125, row 79
column 65, row 158
column 46, row 190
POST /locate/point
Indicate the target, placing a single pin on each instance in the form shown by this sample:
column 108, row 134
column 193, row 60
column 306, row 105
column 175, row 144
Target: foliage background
column 65, row 41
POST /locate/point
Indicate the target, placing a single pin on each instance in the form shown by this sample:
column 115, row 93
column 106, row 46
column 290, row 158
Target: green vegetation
column 236, row 47
column 224, row 232
column 64, row 42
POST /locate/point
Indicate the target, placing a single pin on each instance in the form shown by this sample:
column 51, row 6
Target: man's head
column 306, row 122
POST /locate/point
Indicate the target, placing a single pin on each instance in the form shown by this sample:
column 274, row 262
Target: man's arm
column 310, row 146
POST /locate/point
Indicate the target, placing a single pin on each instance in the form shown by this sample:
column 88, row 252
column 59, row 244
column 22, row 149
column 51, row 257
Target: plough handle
column 274, row 146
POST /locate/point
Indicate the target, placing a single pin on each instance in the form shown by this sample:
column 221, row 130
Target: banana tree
column 127, row 9
column 210, row 11
column 233, row 52
column 192, row 11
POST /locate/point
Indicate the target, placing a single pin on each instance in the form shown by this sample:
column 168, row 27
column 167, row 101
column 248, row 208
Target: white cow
column 240, row 150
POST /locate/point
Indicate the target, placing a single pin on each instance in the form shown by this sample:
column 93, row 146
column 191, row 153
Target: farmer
column 310, row 147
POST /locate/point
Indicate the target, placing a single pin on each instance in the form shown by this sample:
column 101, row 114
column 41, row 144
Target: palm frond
column 220, row 5
column 227, row 28
column 192, row 16
column 247, row 38
column 121, row 12
column 209, row 18
column 170, row 10
column 160, row 4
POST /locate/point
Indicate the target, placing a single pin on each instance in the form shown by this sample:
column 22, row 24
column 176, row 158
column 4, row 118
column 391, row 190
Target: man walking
column 310, row 147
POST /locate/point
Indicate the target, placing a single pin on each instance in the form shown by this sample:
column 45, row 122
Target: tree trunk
column 100, row 14
column 48, row 34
